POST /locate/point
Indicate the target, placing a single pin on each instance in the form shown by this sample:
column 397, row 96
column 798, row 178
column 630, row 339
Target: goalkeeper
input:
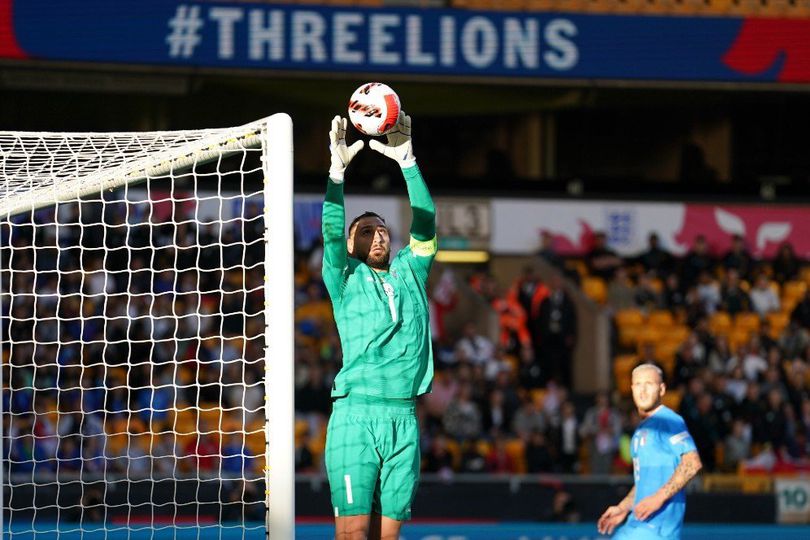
column 381, row 311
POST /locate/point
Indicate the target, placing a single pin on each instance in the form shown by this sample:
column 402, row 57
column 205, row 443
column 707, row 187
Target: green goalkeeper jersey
column 382, row 317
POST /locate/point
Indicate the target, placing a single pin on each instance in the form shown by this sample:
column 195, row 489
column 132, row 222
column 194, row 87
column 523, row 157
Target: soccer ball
column 374, row 109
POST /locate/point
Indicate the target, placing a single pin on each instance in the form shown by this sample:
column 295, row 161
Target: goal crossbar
column 79, row 174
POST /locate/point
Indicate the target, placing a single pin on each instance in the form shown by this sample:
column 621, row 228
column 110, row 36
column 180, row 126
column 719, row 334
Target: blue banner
column 448, row 43
column 410, row 531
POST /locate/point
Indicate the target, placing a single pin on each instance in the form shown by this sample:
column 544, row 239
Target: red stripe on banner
column 393, row 112
column 9, row 48
column 762, row 43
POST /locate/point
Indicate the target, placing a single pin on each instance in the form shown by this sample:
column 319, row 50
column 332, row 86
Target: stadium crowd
column 155, row 366
column 135, row 379
column 737, row 371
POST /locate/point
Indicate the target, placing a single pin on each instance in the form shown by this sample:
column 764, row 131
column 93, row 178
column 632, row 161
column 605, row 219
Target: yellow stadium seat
column 720, row 323
column 794, row 289
column 628, row 335
column 517, row 451
column 778, row 322
column 661, row 319
column 665, row 353
column 455, row 451
column 737, row 338
column 746, row 321
column 788, row 304
column 595, row 289
column 629, row 317
column 649, row 335
column 538, row 395
column 672, row 398
column 622, row 366
column 677, row 334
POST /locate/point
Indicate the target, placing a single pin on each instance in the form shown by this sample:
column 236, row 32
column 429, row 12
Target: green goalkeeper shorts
column 372, row 456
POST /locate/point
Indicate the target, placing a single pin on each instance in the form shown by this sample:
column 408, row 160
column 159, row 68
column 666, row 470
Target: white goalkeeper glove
column 399, row 146
column 341, row 154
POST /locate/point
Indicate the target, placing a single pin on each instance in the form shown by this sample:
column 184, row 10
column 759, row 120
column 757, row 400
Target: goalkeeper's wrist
column 407, row 163
column 336, row 176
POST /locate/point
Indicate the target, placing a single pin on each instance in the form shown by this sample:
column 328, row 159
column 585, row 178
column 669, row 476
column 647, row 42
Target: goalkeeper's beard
column 379, row 262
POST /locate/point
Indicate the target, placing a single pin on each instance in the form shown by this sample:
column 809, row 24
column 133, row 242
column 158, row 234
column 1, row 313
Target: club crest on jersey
column 640, row 439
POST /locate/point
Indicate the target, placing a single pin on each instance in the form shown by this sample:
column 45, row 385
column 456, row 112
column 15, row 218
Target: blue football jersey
column 657, row 446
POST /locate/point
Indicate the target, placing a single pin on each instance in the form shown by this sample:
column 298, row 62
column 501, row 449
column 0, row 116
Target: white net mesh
column 133, row 333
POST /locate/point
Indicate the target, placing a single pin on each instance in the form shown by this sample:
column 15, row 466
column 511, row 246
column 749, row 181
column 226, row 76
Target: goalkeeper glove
column 341, row 154
column 399, row 146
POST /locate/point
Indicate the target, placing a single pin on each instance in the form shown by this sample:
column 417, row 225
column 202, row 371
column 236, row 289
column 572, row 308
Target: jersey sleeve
column 423, row 243
column 676, row 438
column 335, row 255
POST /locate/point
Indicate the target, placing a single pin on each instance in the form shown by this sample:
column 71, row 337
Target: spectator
column 794, row 340
column 472, row 461
column 474, row 347
column 462, row 419
column 538, row 455
column 601, row 428
column 751, row 410
column 557, row 330
column 647, row 297
column 547, row 250
column 566, row 437
column 530, row 418
column 773, row 428
column 708, row 293
column 801, row 313
column 733, row 298
column 497, row 415
column 656, row 259
column 602, row 261
column 674, row 296
column 785, row 265
column 753, row 362
column 435, row 403
column 621, row 292
column 442, row 301
column 498, row 460
column 529, row 291
column 719, row 355
column 704, row 427
column 687, row 365
column 737, row 446
column 697, row 261
column 439, row 459
column 763, row 298
column 304, row 460
column 737, row 258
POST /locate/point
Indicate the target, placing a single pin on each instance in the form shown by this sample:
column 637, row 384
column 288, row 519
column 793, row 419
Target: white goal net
column 146, row 284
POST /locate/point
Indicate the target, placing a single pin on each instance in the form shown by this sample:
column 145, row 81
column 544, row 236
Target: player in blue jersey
column 664, row 460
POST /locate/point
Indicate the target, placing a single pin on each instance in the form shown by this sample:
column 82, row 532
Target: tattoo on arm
column 688, row 467
column 627, row 502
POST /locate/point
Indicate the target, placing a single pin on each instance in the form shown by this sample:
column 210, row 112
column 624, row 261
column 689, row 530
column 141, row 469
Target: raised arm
column 333, row 221
column 399, row 147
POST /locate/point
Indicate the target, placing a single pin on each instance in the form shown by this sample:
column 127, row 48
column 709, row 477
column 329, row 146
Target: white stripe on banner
column 348, row 479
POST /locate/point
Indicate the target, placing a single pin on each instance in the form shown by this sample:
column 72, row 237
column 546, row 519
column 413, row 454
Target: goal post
column 147, row 304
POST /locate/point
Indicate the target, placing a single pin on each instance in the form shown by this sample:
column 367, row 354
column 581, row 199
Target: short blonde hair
column 649, row 366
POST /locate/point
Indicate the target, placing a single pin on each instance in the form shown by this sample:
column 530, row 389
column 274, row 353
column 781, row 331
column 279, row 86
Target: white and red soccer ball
column 374, row 109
